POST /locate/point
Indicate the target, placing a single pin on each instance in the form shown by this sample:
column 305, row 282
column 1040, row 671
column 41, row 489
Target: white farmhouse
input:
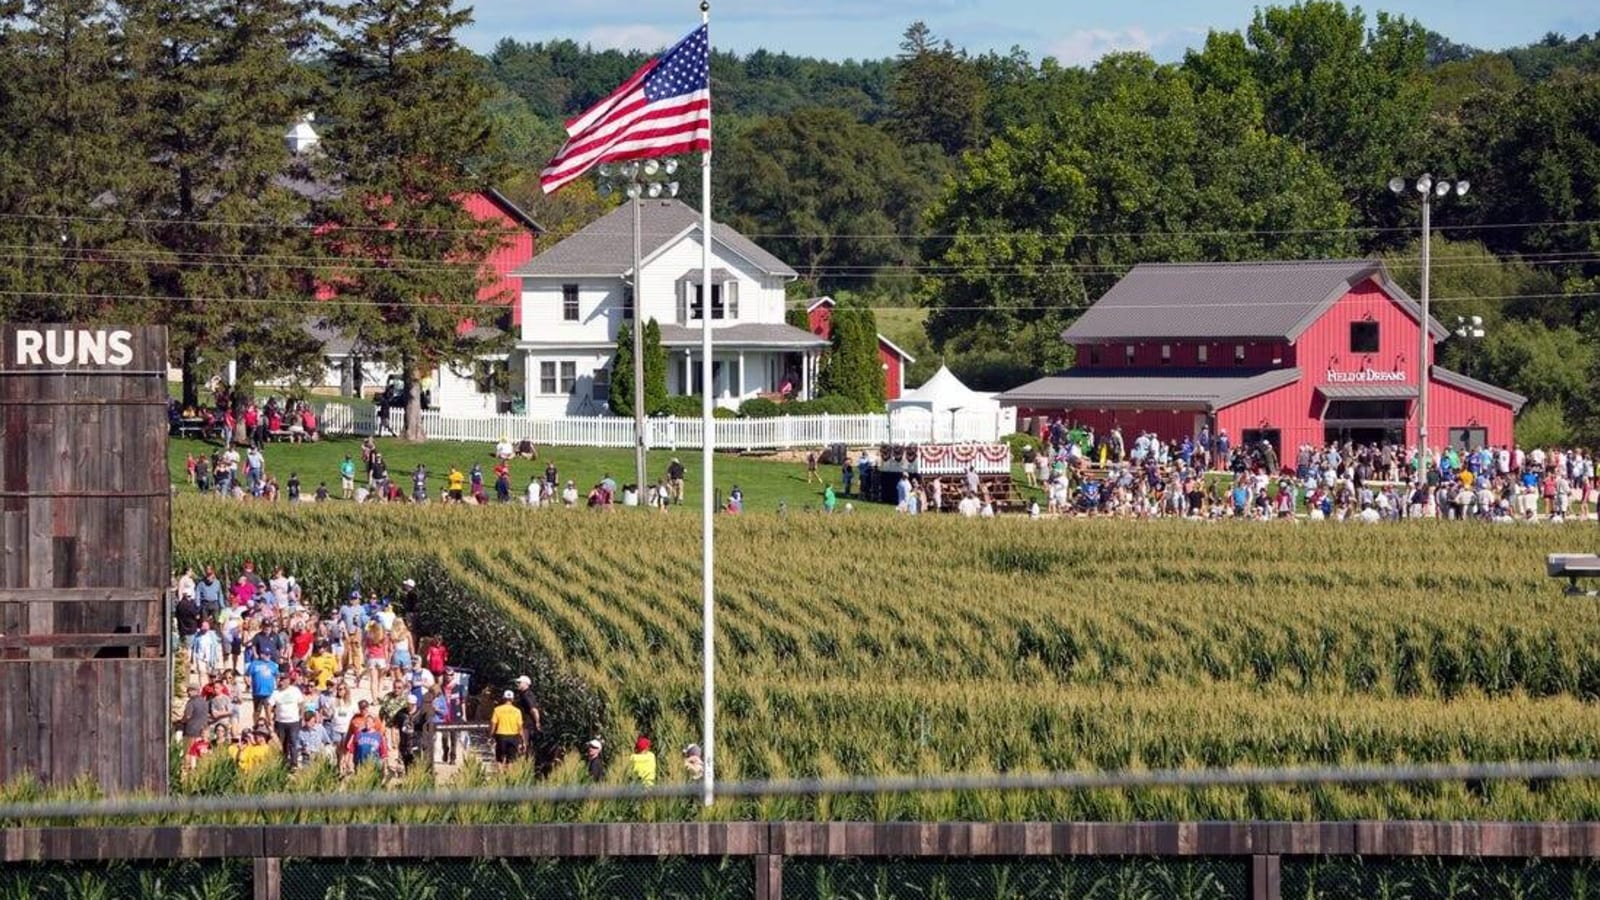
column 577, row 294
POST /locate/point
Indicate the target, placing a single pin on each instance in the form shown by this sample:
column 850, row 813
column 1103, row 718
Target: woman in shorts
column 377, row 652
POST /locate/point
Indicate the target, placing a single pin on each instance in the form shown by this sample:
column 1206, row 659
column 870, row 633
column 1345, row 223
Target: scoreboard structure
column 85, row 521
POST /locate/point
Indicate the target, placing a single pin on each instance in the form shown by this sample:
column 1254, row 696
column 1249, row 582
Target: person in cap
column 505, row 726
column 532, row 722
column 675, row 480
column 591, row 755
column 693, row 762
column 642, row 764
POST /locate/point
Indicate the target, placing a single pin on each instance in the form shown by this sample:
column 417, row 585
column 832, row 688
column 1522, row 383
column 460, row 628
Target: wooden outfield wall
column 85, row 520
column 1262, row 847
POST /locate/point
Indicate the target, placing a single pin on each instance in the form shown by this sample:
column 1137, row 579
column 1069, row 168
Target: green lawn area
column 765, row 482
column 901, row 324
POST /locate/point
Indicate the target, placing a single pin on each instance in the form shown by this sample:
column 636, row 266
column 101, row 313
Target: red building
column 819, row 318
column 1291, row 353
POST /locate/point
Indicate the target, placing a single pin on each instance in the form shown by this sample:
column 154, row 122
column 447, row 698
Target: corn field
column 868, row 645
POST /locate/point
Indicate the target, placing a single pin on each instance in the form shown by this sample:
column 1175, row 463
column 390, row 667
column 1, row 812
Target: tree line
column 146, row 179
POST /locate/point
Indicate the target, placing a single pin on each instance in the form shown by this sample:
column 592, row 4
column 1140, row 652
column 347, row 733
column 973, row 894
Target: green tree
column 1543, row 425
column 655, row 369
column 214, row 89
column 621, row 393
column 1150, row 169
column 937, row 96
column 407, row 102
column 840, row 198
column 1354, row 96
column 851, row 368
column 1547, row 365
column 63, row 94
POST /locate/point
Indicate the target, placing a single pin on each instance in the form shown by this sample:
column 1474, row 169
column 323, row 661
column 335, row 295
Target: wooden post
column 1266, row 877
column 267, row 879
column 769, row 876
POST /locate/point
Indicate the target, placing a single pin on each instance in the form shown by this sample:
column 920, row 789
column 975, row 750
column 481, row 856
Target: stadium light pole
column 1470, row 329
column 1428, row 188
column 636, row 181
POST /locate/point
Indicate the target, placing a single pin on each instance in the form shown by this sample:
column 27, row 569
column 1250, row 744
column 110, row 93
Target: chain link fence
column 669, row 878
column 1070, row 878
column 1433, row 878
column 155, row 880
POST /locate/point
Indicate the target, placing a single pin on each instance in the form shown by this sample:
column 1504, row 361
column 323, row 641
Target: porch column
column 688, row 372
column 805, row 375
column 738, row 388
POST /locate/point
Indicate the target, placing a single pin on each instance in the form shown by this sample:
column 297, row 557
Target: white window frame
column 571, row 311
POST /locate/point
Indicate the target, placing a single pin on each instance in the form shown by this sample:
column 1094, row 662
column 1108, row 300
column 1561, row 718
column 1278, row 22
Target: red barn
column 819, row 319
column 1291, row 353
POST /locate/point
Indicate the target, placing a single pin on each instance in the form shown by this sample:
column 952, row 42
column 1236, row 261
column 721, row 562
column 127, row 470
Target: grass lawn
column 901, row 324
column 765, row 482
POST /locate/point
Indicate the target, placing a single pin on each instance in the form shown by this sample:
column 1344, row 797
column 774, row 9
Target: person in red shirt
column 437, row 657
column 300, row 642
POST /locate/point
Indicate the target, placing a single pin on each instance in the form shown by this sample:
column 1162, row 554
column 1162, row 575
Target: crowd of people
column 1207, row 476
column 228, row 472
column 271, row 676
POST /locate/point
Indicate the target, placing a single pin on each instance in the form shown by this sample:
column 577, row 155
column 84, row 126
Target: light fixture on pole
column 1469, row 329
column 1428, row 188
column 637, row 180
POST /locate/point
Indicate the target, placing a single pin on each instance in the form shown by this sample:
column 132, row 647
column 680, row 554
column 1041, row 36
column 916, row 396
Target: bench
column 1573, row 566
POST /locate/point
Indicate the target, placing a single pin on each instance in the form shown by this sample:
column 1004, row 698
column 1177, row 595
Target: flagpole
column 708, row 652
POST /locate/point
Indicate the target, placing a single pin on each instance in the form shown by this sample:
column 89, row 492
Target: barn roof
column 1274, row 301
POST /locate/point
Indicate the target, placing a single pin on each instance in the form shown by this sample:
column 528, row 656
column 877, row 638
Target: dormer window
column 724, row 300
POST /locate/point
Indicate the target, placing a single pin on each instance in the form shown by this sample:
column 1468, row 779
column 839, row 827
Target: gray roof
column 604, row 247
column 1368, row 391
column 1481, row 388
column 746, row 334
column 1196, row 389
column 1251, row 300
column 693, row 276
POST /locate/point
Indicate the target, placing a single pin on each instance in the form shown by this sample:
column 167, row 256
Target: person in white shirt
column 531, row 495
column 968, row 506
column 288, row 708
column 503, row 449
column 569, row 495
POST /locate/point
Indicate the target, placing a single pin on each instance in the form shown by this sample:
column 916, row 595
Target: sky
column 1075, row 32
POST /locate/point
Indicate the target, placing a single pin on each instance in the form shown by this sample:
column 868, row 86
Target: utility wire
column 332, row 304
column 1071, row 781
column 907, row 236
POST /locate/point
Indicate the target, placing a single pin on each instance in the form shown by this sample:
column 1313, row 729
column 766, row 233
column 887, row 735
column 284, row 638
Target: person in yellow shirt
column 454, row 480
column 322, row 665
column 505, row 725
column 642, row 764
column 254, row 754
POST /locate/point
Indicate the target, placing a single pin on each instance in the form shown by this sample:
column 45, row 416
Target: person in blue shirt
column 1241, row 499
column 368, row 745
column 263, row 675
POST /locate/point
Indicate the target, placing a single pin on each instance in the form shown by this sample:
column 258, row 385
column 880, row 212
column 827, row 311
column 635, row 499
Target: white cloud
column 628, row 37
column 1085, row 46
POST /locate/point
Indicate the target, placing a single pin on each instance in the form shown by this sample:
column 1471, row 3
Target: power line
column 1071, row 781
column 406, row 229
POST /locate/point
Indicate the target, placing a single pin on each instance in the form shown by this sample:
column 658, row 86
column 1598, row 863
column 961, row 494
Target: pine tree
column 406, row 102
column 622, row 373
column 850, row 367
column 61, row 91
column 214, row 88
column 655, row 369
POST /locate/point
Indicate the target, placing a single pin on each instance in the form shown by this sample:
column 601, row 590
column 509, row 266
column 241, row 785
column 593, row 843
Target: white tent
column 943, row 409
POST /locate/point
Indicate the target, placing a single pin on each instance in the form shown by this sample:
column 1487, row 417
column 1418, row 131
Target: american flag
column 665, row 108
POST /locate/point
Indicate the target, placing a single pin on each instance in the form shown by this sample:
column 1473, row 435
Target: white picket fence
column 777, row 433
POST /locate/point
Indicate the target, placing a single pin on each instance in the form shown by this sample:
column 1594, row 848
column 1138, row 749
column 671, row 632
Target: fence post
column 769, row 876
column 1266, row 877
column 267, row 879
